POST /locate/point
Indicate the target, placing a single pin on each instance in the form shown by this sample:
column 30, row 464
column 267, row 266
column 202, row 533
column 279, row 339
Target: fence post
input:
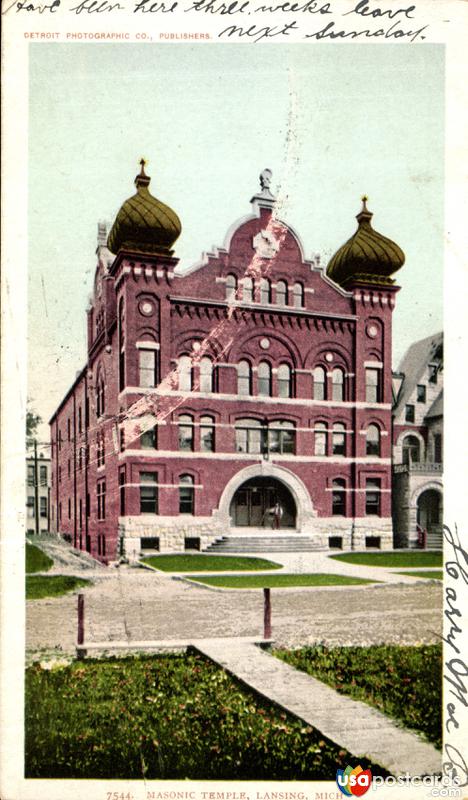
column 266, row 614
column 80, row 651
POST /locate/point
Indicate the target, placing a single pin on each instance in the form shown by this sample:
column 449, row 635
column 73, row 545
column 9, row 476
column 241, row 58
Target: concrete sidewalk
column 355, row 726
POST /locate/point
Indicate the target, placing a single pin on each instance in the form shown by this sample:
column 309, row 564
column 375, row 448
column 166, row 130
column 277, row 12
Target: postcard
column 232, row 291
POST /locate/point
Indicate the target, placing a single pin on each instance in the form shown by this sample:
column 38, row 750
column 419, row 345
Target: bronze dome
column 144, row 224
column 367, row 257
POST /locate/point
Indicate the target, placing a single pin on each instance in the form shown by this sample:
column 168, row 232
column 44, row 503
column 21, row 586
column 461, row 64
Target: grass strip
column 433, row 574
column 207, row 563
column 278, row 581
column 396, row 559
column 403, row 682
column 40, row 586
column 165, row 717
column 36, row 559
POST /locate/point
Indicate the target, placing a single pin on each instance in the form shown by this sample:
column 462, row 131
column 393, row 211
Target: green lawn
column 403, row 558
column 161, row 718
column 277, row 581
column 36, row 559
column 207, row 563
column 432, row 574
column 403, row 682
column 39, row 586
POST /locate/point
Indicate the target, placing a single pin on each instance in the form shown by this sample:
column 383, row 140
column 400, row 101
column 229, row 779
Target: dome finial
column 142, row 179
column 364, row 215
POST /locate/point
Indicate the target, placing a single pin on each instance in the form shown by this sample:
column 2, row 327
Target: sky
column 331, row 123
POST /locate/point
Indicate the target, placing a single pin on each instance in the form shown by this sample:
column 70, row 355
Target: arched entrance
column 429, row 510
column 252, row 500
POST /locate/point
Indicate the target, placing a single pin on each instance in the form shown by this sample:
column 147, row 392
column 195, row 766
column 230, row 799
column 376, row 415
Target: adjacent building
column 38, row 473
column 418, row 445
column 253, row 380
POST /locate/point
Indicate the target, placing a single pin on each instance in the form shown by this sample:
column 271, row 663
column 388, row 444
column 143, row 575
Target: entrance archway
column 429, row 510
column 252, row 503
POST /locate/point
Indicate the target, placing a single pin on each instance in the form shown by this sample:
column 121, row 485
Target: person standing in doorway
column 277, row 515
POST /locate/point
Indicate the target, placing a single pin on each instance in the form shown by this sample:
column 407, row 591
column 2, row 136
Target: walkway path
column 362, row 730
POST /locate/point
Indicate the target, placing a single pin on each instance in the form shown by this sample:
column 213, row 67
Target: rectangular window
column 433, row 370
column 409, row 413
column 338, row 443
column 69, row 508
column 43, row 506
column 338, row 502
column 148, row 439
column 185, row 432
column 43, row 475
column 122, row 491
column 372, row 385
column 282, row 438
column 101, row 499
column 68, row 467
column 30, row 505
column 60, row 440
column 207, row 434
column 249, row 439
column 186, row 495
column 79, row 420
column 31, row 475
column 421, row 394
column 69, row 429
column 147, row 360
column 438, row 448
column 373, row 496
column 148, row 493
column 321, row 436
column 81, row 514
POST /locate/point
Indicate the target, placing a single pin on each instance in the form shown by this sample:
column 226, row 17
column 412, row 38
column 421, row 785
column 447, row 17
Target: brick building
column 418, row 444
column 253, row 379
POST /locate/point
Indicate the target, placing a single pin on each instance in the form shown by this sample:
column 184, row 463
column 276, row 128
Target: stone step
column 262, row 544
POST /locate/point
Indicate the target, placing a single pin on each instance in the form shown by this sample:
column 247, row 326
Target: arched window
column 373, row 441
column 100, row 397
column 244, row 378
column 339, row 439
column 185, row 432
column 207, row 431
column 284, row 381
column 265, row 291
column 231, row 288
column 264, row 379
column 298, row 295
column 337, row 384
column 184, row 368
column 320, row 384
column 282, row 293
column 411, row 450
column 247, row 290
column 206, row 374
column 321, row 437
column 339, row 497
column 186, row 494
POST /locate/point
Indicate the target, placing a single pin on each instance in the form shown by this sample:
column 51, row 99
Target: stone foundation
column 172, row 532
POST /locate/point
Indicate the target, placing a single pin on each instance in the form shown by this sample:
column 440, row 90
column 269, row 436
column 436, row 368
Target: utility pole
column 36, row 490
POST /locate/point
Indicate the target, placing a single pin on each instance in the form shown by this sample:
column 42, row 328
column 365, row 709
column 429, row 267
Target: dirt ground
column 136, row 604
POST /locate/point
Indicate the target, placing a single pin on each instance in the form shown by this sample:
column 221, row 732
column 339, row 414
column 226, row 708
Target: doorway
column 252, row 501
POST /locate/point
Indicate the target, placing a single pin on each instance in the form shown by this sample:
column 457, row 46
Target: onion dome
column 368, row 257
column 144, row 224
